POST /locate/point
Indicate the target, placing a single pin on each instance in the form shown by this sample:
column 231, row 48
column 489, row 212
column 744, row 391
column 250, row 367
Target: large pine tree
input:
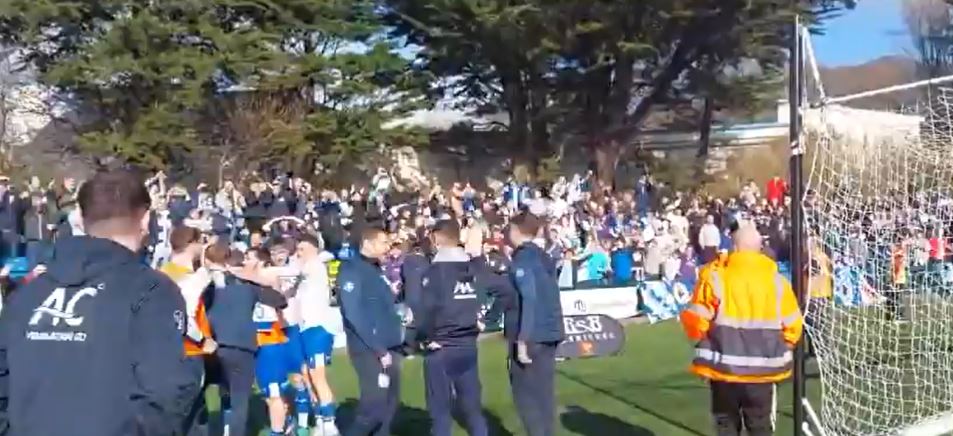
column 596, row 69
column 156, row 74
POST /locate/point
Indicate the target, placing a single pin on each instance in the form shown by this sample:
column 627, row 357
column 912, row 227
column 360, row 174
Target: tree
column 601, row 67
column 156, row 72
column 930, row 23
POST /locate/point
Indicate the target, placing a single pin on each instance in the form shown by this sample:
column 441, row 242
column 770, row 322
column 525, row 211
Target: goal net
column 879, row 216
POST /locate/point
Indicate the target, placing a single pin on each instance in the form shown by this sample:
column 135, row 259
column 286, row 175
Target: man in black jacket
column 96, row 341
column 235, row 331
column 448, row 327
column 373, row 333
column 539, row 331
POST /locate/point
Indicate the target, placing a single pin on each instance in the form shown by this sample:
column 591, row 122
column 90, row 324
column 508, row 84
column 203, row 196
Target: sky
column 873, row 29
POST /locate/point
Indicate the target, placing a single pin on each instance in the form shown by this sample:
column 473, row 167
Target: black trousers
column 377, row 405
column 452, row 376
column 238, row 373
column 748, row 406
column 192, row 425
column 534, row 388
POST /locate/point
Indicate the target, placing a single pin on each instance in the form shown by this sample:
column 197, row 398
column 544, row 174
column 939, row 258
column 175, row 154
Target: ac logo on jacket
column 59, row 308
column 464, row 291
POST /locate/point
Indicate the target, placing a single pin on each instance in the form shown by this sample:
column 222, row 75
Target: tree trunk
column 705, row 135
column 606, row 153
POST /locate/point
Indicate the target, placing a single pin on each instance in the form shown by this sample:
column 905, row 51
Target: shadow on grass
column 411, row 421
column 629, row 403
column 581, row 421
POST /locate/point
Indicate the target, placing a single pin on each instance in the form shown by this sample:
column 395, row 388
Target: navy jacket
column 534, row 276
column 10, row 212
column 454, row 287
column 95, row 342
column 257, row 205
column 284, row 204
column 179, row 209
column 370, row 317
column 231, row 312
column 220, row 225
column 411, row 275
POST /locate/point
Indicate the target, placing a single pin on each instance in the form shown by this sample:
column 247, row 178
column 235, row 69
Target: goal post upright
column 796, row 176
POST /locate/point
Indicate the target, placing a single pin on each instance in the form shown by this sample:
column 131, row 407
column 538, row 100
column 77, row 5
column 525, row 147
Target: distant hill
column 879, row 73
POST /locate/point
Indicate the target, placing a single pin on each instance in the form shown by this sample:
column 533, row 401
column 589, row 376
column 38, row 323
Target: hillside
column 879, row 73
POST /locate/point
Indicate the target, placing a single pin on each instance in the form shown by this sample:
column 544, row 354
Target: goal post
column 875, row 205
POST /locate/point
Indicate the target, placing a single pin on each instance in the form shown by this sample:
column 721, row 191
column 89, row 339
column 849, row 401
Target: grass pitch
column 645, row 391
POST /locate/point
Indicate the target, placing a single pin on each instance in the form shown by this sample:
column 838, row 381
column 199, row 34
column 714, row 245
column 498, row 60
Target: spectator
column 709, row 239
column 622, row 262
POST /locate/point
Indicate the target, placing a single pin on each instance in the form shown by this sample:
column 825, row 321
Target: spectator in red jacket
column 776, row 190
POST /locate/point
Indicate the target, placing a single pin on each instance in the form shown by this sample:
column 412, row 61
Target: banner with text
column 591, row 336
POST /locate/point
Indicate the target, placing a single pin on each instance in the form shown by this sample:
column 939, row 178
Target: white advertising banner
column 617, row 303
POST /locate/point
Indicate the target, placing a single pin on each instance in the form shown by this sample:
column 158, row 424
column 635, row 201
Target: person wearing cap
column 745, row 321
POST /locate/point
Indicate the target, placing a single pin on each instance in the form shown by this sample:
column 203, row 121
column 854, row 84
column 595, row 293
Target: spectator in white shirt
column 709, row 239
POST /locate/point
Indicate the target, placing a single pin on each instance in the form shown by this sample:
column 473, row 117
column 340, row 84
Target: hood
column 77, row 259
column 454, row 254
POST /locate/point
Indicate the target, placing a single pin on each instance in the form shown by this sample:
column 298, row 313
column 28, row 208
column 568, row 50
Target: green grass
column 645, row 391
column 885, row 374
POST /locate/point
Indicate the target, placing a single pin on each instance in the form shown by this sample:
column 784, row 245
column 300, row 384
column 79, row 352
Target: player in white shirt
column 314, row 294
column 286, row 278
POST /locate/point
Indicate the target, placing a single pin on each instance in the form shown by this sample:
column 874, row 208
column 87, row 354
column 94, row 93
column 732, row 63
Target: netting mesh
column 879, row 214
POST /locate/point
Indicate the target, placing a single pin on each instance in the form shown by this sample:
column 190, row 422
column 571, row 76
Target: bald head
column 747, row 238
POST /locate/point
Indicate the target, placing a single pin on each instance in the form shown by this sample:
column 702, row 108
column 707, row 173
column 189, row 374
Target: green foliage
column 151, row 75
column 598, row 68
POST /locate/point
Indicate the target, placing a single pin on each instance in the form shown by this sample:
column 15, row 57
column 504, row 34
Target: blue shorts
column 271, row 369
column 318, row 346
column 294, row 349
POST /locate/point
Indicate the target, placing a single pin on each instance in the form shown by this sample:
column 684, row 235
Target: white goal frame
column 807, row 421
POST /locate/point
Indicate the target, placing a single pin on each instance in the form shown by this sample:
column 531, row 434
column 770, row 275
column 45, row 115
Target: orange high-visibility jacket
column 746, row 320
column 192, row 285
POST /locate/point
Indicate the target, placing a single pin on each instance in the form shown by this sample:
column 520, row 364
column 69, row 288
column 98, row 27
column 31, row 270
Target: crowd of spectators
column 598, row 237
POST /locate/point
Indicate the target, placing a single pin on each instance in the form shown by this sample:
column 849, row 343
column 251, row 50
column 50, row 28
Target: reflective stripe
column 758, row 324
column 744, row 361
column 744, row 346
column 701, row 311
column 745, row 342
column 792, row 318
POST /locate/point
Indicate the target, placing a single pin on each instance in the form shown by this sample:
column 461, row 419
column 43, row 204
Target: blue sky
column 873, row 29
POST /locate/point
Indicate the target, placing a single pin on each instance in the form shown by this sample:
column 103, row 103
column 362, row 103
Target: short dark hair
column 527, row 224
column 182, row 236
column 447, row 229
column 235, row 258
column 218, row 252
column 371, row 234
column 114, row 195
column 263, row 255
column 287, row 244
column 311, row 239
